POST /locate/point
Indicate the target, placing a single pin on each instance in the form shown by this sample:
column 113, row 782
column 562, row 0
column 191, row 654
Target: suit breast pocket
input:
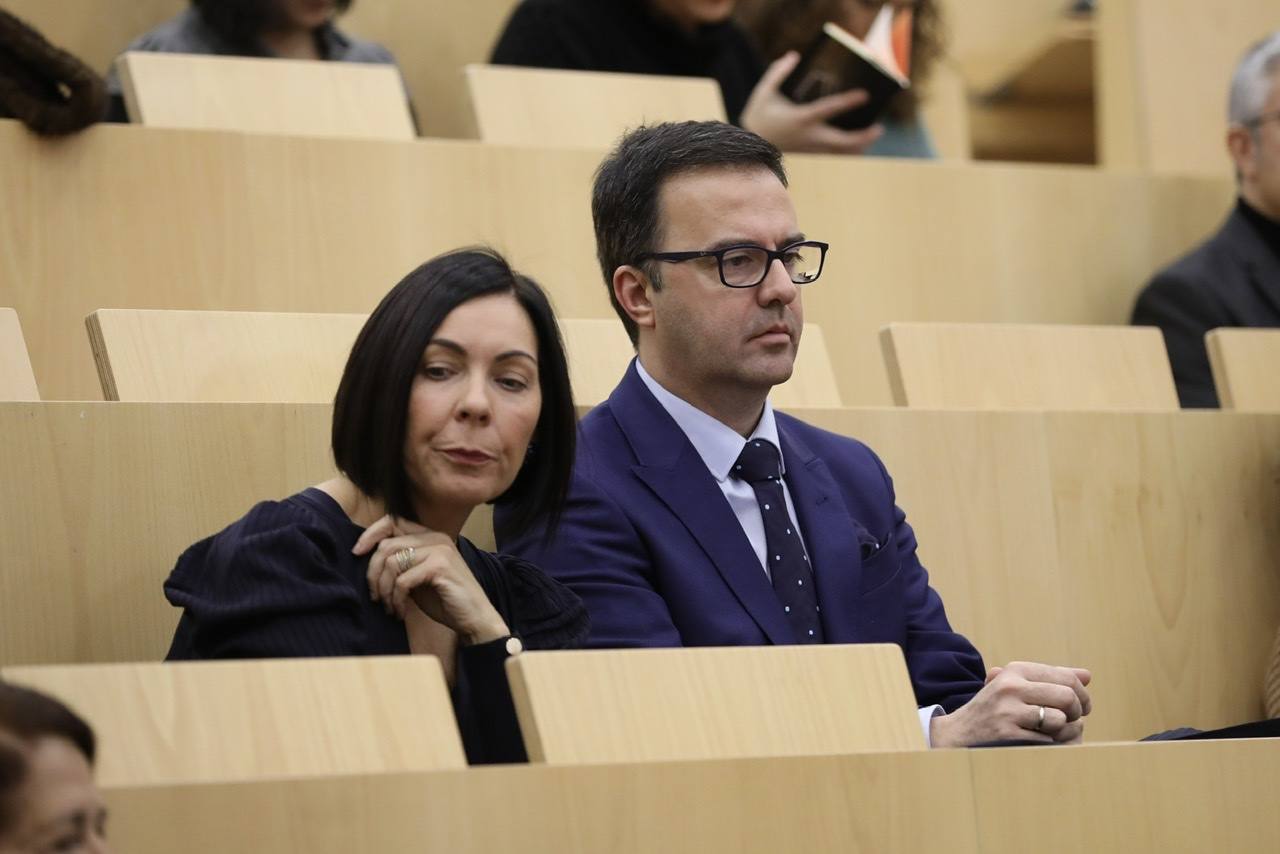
column 880, row 565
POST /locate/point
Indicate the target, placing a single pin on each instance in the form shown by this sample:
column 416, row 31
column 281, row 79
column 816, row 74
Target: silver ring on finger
column 404, row 560
column 1039, row 727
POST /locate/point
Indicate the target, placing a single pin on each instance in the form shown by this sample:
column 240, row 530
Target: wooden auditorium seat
column 272, row 357
column 646, row 705
column 1245, row 364
column 219, row 721
column 17, row 381
column 1022, row 366
column 352, row 100
column 256, row 222
column 581, row 109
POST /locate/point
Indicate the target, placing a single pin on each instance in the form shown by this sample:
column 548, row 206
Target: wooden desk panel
column 866, row 804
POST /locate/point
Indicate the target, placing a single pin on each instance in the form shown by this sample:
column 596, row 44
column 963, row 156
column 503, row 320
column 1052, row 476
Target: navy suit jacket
column 651, row 545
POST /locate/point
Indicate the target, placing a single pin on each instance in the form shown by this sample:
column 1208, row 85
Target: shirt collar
column 718, row 444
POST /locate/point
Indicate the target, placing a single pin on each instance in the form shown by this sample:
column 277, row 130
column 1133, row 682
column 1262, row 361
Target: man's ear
column 1240, row 143
column 632, row 289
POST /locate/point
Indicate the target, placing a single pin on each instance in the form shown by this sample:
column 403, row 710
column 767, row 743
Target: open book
column 838, row 61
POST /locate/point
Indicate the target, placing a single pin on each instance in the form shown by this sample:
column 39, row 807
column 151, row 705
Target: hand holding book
column 804, row 127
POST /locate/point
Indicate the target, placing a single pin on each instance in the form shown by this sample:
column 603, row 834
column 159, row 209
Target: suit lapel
column 670, row 466
column 831, row 535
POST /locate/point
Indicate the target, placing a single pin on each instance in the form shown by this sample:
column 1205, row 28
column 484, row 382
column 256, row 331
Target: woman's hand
column 411, row 561
column 803, row 127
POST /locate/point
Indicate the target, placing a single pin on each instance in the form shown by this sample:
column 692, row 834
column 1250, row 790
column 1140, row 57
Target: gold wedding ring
column 404, row 558
column 1040, row 722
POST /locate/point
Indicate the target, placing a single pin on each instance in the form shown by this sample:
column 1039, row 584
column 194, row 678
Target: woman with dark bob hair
column 288, row 29
column 456, row 393
column 48, row 800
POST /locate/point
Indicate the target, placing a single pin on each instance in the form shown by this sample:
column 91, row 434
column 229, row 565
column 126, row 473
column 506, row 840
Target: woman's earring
column 528, row 452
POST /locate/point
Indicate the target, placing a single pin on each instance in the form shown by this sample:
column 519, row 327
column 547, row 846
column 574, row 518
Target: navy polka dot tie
column 760, row 465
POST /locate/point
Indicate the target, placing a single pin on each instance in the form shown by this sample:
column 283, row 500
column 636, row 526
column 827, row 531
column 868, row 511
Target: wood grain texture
column 1159, row 109
column 430, row 54
column 221, row 721
column 351, row 100
column 646, row 705
column 1141, row 546
column 99, row 500
column 863, row 804
column 271, row 357
column 582, row 109
column 1245, row 364
column 1020, row 366
column 263, row 223
column 1190, row 796
column 17, row 380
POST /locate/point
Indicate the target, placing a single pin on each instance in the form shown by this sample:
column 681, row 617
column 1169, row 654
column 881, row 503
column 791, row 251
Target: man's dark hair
column 26, row 716
column 624, row 200
column 240, row 22
column 371, row 408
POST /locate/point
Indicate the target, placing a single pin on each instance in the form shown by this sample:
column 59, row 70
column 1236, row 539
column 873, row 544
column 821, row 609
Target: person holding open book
column 689, row 38
column 908, row 30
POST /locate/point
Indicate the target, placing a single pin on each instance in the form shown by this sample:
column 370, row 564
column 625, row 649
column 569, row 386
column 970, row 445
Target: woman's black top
column 282, row 582
column 627, row 36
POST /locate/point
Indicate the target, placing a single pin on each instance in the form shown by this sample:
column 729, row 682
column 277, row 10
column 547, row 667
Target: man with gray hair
column 1233, row 279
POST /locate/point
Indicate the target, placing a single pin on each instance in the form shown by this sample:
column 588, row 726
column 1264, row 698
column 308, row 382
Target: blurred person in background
column 779, row 27
column 684, row 38
column 284, row 29
column 1233, row 278
column 48, row 800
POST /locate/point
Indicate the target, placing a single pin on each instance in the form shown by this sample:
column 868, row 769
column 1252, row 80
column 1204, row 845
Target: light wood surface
column 1190, row 796
column 581, row 109
column 645, row 705
column 272, row 357
column 1164, row 69
column 430, row 53
column 263, row 223
column 221, row 721
column 99, row 500
column 989, row 40
column 1132, row 544
column 17, row 381
column 352, row 100
column 1245, row 364
column 1016, row 366
column 599, row 352
column 863, row 804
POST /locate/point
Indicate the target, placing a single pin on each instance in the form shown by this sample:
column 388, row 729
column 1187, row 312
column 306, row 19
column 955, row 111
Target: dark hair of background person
column 777, row 26
column 46, row 88
column 240, row 21
column 27, row 716
column 370, row 414
column 624, row 198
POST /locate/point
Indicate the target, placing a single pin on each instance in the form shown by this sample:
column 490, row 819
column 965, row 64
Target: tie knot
column 758, row 461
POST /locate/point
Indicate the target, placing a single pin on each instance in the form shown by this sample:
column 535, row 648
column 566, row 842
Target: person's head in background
column 778, row 26
column 48, row 800
column 1253, row 137
column 284, row 26
column 718, row 333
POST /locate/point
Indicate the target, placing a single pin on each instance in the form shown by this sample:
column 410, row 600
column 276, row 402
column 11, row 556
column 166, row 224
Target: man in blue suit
column 698, row 515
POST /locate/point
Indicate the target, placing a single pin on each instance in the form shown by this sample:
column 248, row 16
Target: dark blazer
column 652, row 547
column 1233, row 279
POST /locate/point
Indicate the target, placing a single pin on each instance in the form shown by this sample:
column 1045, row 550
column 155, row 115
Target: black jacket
column 1233, row 279
column 624, row 36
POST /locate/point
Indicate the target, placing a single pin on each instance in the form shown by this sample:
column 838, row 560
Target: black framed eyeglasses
column 1262, row 119
column 746, row 266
